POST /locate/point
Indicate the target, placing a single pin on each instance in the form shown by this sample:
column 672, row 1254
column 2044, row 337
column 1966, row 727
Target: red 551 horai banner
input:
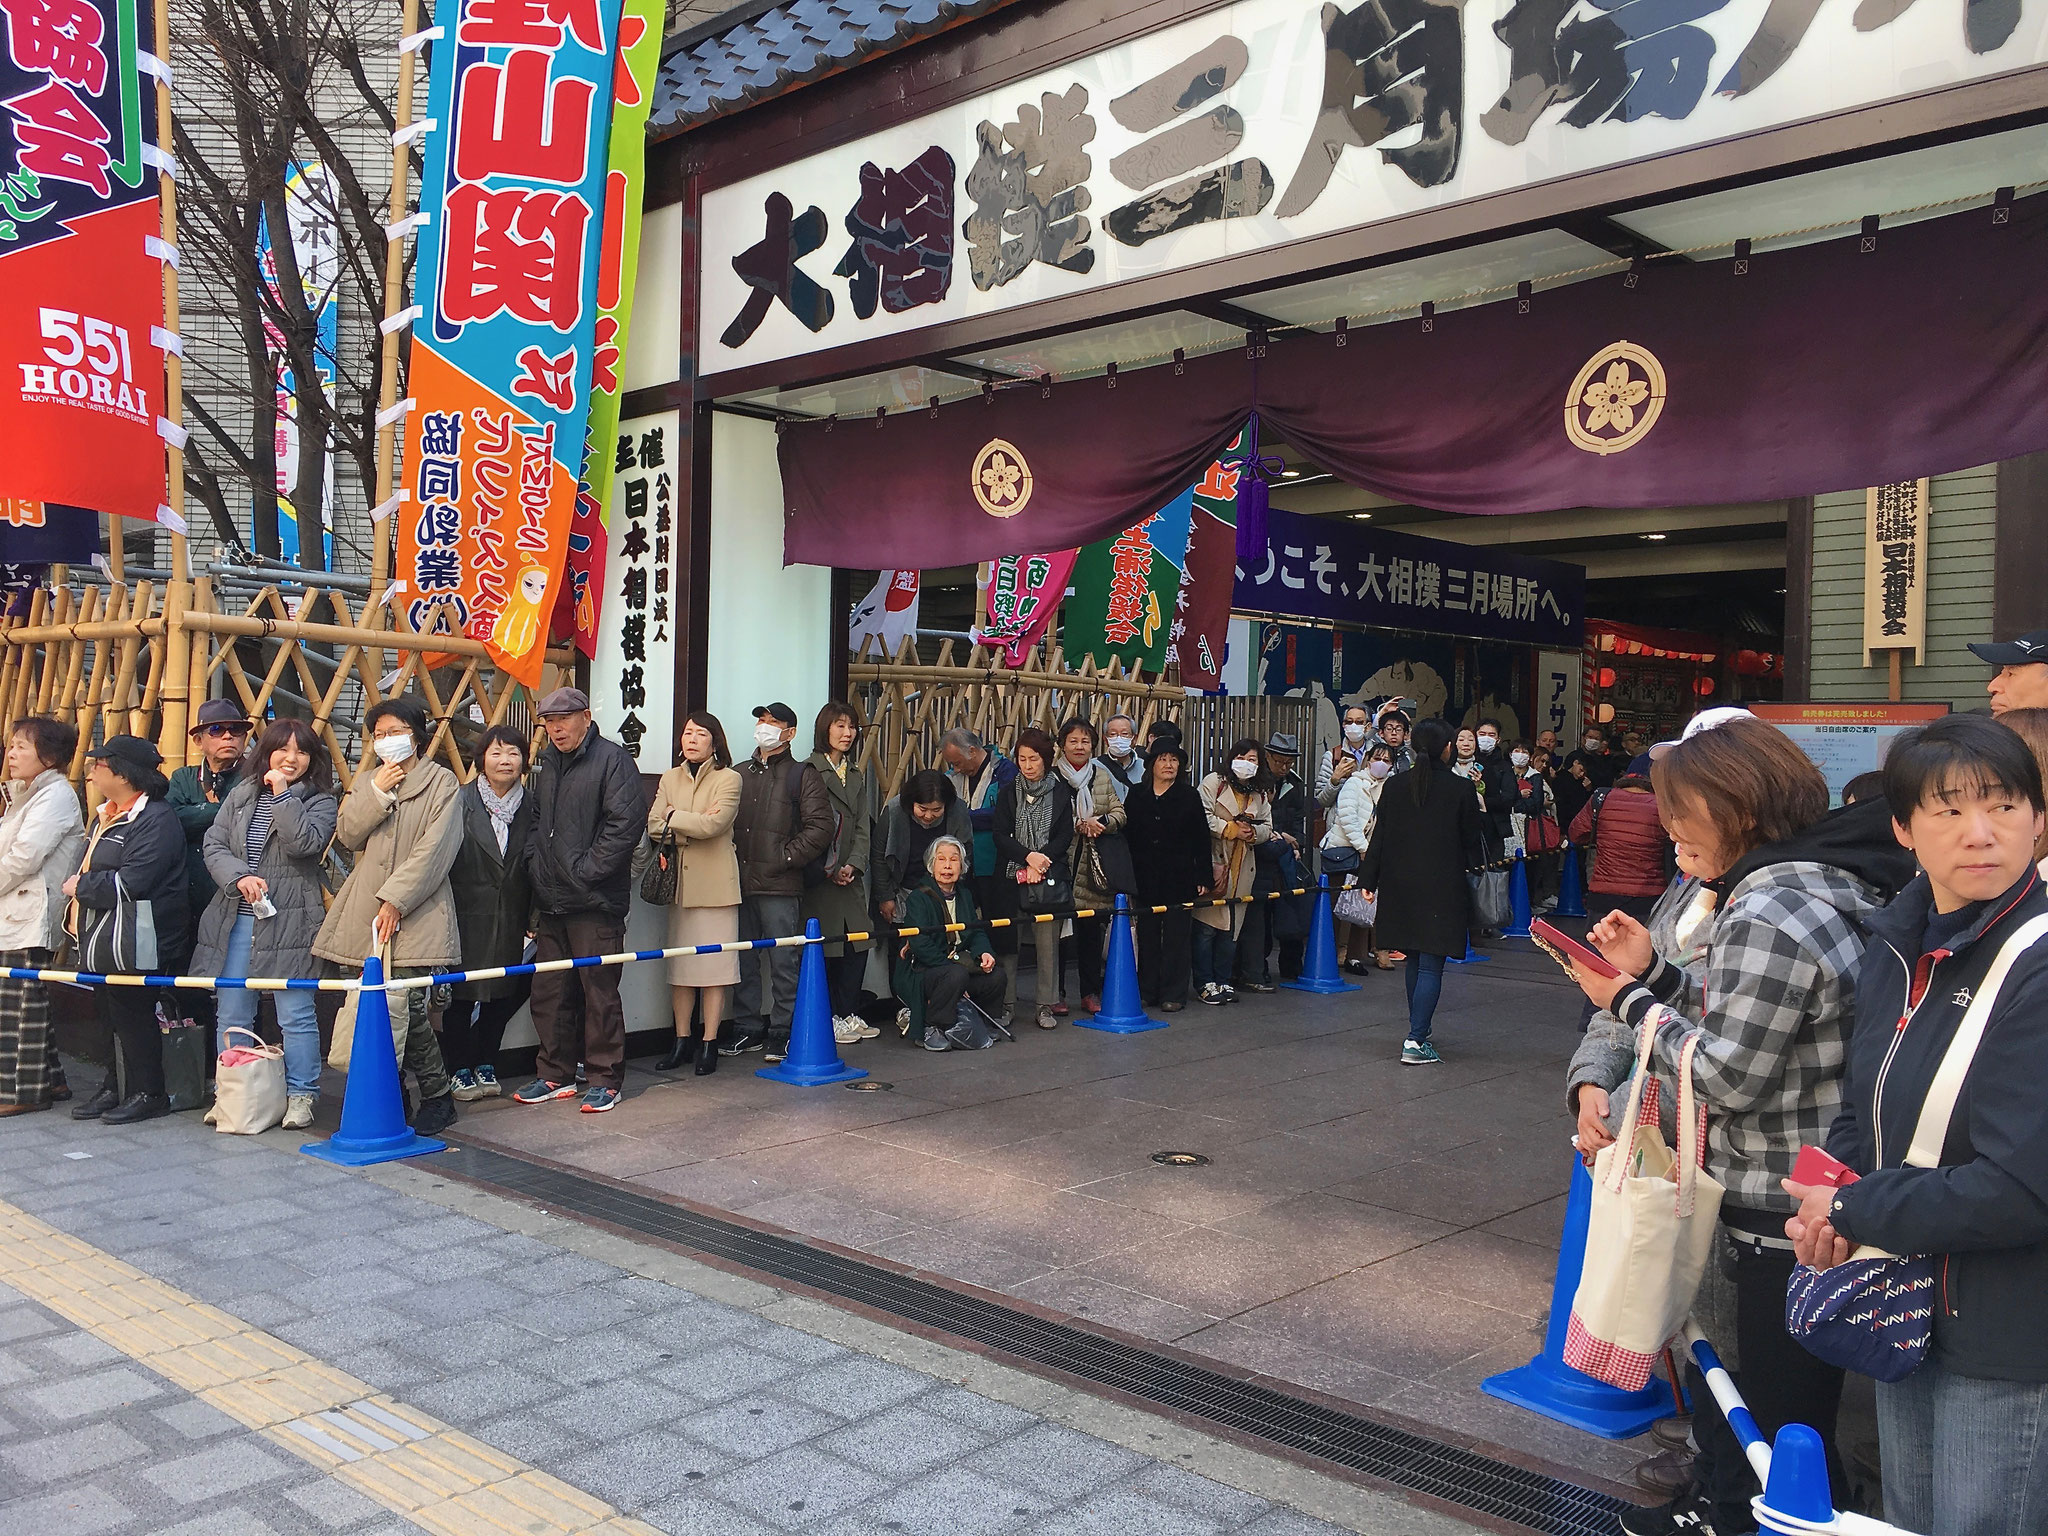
column 81, row 280
column 521, row 91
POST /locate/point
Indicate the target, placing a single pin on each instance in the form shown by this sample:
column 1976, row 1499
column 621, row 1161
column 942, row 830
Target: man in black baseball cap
column 2021, row 681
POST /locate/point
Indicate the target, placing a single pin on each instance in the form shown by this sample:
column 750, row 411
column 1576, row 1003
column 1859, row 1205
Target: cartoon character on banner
column 519, row 625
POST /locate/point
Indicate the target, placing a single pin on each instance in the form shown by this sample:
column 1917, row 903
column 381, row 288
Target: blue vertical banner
column 311, row 203
column 521, row 95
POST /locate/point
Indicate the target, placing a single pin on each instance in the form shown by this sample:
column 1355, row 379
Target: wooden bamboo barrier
column 910, row 704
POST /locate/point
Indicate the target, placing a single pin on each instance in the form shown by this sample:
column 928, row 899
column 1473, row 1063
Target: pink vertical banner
column 1021, row 598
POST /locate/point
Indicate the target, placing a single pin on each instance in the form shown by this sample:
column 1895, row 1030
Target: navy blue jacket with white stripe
column 1984, row 1209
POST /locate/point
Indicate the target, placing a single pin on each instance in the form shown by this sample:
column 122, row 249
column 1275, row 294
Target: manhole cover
column 1180, row 1159
column 869, row 1085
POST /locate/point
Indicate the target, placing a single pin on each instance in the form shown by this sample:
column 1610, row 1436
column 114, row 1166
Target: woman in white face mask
column 1351, row 823
column 1345, row 758
column 1238, row 799
column 401, row 821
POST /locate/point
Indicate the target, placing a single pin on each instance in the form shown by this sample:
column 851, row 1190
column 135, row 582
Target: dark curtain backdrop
column 1847, row 363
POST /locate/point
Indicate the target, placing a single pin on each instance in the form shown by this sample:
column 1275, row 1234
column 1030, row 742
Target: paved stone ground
column 694, row 1414
column 1383, row 1234
column 92, row 1444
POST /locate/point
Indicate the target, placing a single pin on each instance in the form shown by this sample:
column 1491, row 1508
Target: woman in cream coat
column 42, row 837
column 697, row 802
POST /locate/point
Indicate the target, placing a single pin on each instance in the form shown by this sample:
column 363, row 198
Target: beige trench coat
column 1223, row 801
column 403, row 855
column 700, row 811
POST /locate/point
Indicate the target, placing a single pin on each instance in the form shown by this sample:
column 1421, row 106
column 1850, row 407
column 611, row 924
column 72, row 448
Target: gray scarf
column 1034, row 811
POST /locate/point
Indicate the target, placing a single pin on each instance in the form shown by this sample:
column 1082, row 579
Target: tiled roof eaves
column 730, row 64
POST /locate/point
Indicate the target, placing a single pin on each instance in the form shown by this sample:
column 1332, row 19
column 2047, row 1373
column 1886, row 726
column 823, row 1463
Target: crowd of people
column 1814, row 964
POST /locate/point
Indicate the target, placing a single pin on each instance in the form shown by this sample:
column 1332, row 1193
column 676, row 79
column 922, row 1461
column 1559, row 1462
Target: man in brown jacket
column 783, row 828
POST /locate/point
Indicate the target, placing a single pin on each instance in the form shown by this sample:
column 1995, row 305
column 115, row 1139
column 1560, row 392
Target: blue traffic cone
column 1518, row 895
column 1471, row 955
column 1123, row 1011
column 373, row 1128
column 1546, row 1384
column 1319, row 970
column 1571, row 900
column 813, row 1058
column 1798, row 1486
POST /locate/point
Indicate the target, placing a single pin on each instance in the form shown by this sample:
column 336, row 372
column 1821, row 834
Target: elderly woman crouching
column 939, row 965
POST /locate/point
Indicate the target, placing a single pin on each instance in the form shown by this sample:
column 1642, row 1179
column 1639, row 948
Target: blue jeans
column 1964, row 1456
column 1215, row 955
column 295, row 1014
column 1425, row 986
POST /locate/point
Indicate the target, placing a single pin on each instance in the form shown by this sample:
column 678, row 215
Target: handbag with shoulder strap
column 1874, row 1312
column 664, row 869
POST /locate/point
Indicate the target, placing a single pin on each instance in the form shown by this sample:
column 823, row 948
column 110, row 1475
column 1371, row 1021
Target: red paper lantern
column 1703, row 686
column 1604, row 678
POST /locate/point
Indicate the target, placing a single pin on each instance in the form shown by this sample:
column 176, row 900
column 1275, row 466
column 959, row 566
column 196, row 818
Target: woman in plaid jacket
column 1785, row 892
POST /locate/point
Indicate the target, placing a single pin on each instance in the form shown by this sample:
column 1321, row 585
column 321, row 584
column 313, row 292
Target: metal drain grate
column 1457, row 1476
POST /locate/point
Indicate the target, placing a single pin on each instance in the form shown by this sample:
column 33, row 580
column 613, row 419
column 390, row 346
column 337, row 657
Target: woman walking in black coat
column 1169, row 836
column 1428, row 834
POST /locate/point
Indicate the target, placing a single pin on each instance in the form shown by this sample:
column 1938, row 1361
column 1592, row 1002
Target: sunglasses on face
column 225, row 730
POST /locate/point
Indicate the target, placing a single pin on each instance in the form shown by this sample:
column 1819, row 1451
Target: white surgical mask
column 1519, row 759
column 1119, row 746
column 767, row 735
column 1488, row 743
column 1594, row 744
column 391, row 749
column 1354, row 734
column 1244, row 768
column 1379, row 770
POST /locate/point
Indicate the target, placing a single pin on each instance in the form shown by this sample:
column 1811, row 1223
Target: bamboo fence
column 910, row 704
column 104, row 658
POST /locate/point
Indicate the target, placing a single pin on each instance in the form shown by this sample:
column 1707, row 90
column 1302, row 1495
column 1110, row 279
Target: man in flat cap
column 591, row 813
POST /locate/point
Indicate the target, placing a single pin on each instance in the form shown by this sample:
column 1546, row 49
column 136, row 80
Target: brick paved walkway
column 692, row 1400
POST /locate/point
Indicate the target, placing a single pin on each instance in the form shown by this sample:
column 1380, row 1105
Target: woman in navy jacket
column 1965, row 1436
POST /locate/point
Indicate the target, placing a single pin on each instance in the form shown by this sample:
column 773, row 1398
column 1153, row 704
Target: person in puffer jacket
column 1631, row 852
column 1792, row 889
column 1964, row 1436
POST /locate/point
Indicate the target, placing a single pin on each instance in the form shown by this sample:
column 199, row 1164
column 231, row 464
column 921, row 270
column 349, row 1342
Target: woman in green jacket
column 939, row 965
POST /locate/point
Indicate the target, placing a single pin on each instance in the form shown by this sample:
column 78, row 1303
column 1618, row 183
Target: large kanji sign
column 521, row 91
column 81, row 375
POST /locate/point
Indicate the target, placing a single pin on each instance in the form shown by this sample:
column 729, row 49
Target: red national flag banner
column 81, row 284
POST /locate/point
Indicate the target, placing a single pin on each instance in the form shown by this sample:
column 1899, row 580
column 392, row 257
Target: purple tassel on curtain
column 1251, row 519
column 1251, row 501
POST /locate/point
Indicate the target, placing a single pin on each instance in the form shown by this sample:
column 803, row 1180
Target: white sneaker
column 298, row 1111
column 867, row 1030
column 847, row 1031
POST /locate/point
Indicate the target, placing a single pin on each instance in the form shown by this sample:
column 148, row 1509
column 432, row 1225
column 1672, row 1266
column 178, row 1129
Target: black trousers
column 1251, row 941
column 129, row 1013
column 1780, row 1381
column 943, row 985
column 1165, row 958
column 843, row 974
column 473, row 1029
column 1091, row 938
column 995, row 896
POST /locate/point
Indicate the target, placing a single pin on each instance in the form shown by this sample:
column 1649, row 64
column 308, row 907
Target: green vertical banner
column 1126, row 588
column 639, row 57
column 1159, row 593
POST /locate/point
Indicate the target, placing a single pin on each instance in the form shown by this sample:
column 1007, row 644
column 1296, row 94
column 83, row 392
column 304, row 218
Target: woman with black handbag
column 1034, row 827
column 836, row 886
column 493, row 910
column 1238, row 801
column 1426, row 835
column 696, row 874
column 1101, row 858
column 130, row 912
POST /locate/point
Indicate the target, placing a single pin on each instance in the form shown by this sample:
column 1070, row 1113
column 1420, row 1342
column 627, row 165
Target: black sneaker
column 740, row 1045
column 435, row 1115
column 1687, row 1515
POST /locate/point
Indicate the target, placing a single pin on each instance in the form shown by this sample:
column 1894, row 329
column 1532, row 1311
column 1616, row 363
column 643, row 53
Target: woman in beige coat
column 697, row 802
column 401, row 822
column 1238, row 798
